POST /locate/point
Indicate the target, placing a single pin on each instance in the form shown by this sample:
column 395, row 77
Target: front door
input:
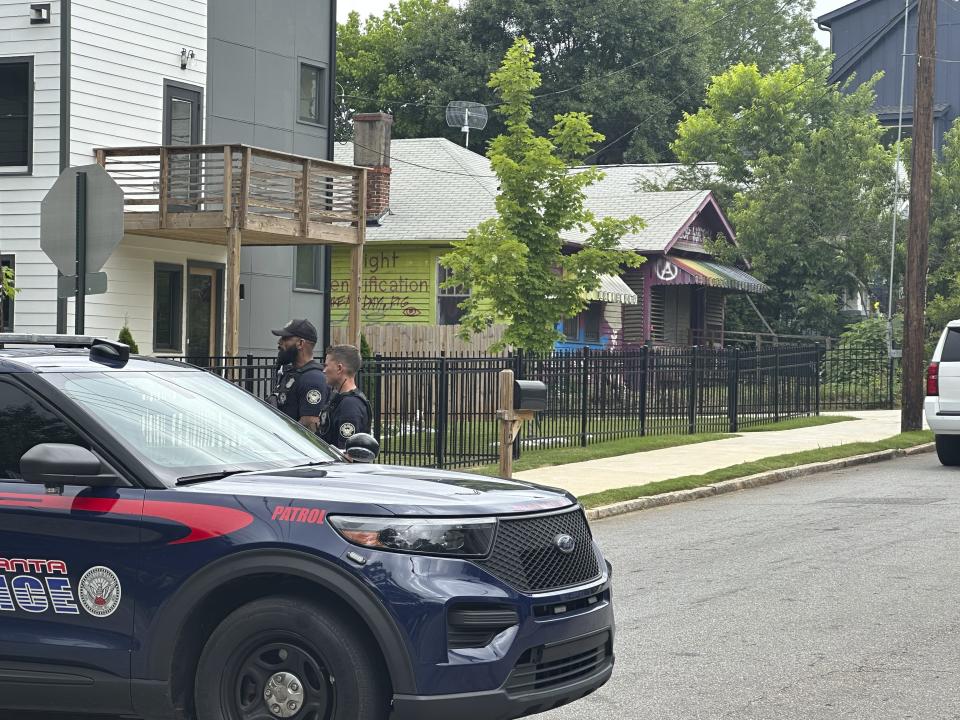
column 203, row 293
column 68, row 566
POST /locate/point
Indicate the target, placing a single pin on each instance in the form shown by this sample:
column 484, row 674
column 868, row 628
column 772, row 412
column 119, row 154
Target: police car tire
column 328, row 636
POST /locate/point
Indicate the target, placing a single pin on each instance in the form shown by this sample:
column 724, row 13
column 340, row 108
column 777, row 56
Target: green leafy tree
column 771, row 34
column 515, row 265
column 807, row 184
column 7, row 288
column 407, row 62
column 943, row 280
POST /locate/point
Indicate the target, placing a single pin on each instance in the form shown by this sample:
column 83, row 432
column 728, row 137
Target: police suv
column 171, row 547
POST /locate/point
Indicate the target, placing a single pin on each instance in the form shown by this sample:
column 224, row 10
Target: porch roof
column 704, row 272
column 614, row 290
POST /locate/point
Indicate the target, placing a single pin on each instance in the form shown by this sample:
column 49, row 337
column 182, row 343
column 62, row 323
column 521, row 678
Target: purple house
column 681, row 289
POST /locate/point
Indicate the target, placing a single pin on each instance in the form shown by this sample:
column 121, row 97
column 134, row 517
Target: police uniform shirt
column 302, row 392
column 346, row 415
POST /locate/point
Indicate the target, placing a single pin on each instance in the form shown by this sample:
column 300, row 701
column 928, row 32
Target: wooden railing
column 214, row 186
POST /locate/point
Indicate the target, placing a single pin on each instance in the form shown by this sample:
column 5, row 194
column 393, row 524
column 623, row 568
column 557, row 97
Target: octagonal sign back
column 58, row 219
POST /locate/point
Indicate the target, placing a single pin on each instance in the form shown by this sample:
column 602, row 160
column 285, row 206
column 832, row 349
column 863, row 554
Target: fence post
column 776, row 384
column 378, row 397
column 733, row 388
column 644, row 370
column 891, row 374
column 818, row 379
column 583, row 396
column 692, row 392
column 442, row 410
column 248, row 375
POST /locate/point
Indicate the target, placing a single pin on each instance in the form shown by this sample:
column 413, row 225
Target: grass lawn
column 795, row 423
column 533, row 459
column 778, row 462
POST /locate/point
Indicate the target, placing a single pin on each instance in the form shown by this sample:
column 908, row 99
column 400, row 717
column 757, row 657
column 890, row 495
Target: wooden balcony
column 234, row 195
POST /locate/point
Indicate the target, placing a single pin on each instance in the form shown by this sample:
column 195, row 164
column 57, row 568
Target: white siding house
column 78, row 76
column 22, row 188
column 123, row 59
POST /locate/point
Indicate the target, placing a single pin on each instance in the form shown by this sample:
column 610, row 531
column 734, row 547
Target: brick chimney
column 371, row 149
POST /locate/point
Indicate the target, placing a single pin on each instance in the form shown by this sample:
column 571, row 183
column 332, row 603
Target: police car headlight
column 465, row 537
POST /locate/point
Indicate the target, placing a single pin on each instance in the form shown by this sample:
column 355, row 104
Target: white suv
column 942, row 404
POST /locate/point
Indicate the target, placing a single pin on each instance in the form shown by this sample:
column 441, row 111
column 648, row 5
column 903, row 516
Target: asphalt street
column 832, row 596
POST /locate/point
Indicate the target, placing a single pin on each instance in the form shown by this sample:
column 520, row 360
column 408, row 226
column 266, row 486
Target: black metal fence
column 440, row 411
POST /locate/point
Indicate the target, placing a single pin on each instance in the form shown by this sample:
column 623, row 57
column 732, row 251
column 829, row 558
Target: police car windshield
column 191, row 423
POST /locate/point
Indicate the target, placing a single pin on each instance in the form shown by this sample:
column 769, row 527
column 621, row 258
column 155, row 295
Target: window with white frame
column 449, row 298
column 313, row 96
column 308, row 274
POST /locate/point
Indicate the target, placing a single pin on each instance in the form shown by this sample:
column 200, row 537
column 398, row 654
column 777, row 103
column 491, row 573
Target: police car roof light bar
column 106, row 352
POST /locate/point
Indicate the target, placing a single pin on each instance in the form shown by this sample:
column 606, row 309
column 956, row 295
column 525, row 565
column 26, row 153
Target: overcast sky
column 375, row 7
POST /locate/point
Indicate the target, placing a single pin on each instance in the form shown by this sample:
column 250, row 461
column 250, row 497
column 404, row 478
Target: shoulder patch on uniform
column 314, row 397
column 347, row 430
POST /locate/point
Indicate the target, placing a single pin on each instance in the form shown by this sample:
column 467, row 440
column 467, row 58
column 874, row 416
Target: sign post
column 81, row 223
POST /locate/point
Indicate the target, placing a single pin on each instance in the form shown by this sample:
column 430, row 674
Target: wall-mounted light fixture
column 185, row 57
column 40, row 14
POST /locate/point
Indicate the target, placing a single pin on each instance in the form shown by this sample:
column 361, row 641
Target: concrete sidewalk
column 646, row 467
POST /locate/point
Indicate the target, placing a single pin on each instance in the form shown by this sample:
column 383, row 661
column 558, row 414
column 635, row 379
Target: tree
column 943, row 280
column 515, row 266
column 407, row 62
column 7, row 288
column 807, row 183
column 771, row 34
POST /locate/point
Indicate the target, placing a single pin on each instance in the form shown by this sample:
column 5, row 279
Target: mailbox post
column 519, row 400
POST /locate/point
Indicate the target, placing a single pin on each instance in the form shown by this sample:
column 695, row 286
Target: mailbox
column 529, row 395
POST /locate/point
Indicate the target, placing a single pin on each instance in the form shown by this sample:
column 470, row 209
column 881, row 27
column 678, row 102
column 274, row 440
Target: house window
column 571, row 328
column 448, row 299
column 16, row 114
column 6, row 303
column 591, row 322
column 308, row 274
column 313, row 105
column 167, row 307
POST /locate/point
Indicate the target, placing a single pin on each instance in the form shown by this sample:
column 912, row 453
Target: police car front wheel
column 285, row 657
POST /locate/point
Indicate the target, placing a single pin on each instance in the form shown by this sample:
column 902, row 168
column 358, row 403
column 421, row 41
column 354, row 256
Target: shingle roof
column 434, row 194
column 440, row 191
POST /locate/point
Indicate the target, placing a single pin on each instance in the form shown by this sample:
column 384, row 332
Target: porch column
column 231, row 330
column 356, row 278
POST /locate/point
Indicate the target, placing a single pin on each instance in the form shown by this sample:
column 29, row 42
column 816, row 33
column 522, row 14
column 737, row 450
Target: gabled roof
column 440, row 191
column 825, row 20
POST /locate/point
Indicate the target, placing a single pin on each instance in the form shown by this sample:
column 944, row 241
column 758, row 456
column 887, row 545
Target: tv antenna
column 467, row 116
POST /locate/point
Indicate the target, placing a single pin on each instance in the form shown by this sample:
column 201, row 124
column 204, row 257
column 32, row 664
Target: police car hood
column 386, row 489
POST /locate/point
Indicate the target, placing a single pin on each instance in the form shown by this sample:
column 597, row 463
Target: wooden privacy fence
column 396, row 339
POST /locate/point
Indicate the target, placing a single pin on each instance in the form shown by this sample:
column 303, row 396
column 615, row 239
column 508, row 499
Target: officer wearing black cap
column 301, row 391
column 348, row 411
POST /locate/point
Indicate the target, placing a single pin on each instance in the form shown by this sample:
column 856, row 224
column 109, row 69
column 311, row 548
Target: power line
column 664, row 51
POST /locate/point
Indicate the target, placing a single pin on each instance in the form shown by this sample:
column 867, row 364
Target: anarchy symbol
column 666, row 270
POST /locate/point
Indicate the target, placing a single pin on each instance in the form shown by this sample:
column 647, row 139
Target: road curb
column 750, row 481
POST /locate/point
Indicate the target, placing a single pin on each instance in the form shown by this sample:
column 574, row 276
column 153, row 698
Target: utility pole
column 911, row 417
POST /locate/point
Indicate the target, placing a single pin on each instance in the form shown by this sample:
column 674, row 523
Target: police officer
column 348, row 411
column 301, row 391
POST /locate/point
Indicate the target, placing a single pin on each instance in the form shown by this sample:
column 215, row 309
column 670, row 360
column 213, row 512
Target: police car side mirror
column 362, row 448
column 56, row 465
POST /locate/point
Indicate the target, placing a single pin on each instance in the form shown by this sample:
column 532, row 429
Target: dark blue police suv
column 171, row 547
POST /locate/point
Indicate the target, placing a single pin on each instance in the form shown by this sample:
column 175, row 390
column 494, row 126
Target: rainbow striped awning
column 703, row 272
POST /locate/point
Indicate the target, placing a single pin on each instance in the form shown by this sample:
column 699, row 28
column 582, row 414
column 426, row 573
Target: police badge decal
column 99, row 591
column 314, row 397
column 347, row 430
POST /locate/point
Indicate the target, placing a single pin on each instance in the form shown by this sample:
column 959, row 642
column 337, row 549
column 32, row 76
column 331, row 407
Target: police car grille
column 525, row 555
